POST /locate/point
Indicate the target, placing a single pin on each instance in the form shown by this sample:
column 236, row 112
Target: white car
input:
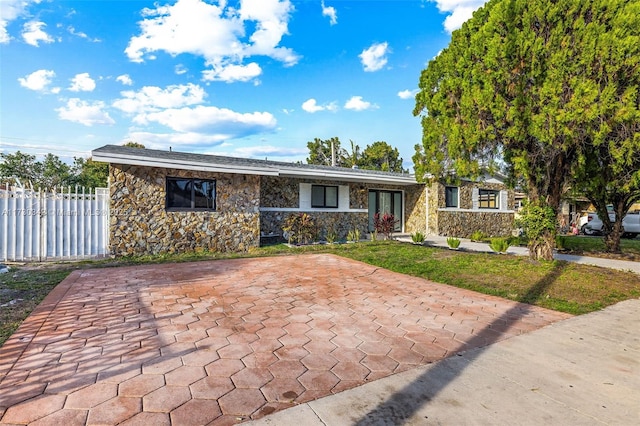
column 630, row 224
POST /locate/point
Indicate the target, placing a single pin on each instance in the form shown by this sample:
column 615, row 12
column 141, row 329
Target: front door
column 386, row 202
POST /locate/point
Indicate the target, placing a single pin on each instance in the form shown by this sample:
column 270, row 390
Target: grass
column 20, row 292
column 594, row 246
column 562, row 286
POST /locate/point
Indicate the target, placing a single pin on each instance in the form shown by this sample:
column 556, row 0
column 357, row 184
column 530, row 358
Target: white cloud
column 180, row 69
column 218, row 34
column 232, row 73
column 311, row 105
column 153, row 99
column 269, row 150
column 407, row 94
column 459, row 11
column 39, row 81
column 357, row 104
column 163, row 140
column 330, row 11
column 213, row 120
column 81, row 34
column 82, row 83
column 33, row 33
column 374, row 57
column 125, row 79
column 10, row 10
column 83, row 112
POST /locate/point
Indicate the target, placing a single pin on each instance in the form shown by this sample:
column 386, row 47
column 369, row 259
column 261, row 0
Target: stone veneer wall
column 340, row 222
column 456, row 223
column 415, row 208
column 463, row 223
column 140, row 223
column 284, row 193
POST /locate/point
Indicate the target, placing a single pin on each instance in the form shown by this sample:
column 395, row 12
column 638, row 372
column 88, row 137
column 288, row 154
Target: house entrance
column 386, row 202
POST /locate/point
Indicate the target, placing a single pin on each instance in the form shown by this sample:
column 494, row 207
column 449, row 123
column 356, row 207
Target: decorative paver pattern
column 224, row 341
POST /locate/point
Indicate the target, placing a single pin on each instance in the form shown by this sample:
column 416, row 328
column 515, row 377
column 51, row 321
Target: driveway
column 224, row 341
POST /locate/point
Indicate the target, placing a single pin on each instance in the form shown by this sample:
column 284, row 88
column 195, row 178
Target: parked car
column 630, row 224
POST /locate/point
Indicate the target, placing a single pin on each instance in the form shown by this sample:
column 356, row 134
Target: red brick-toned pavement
column 224, row 341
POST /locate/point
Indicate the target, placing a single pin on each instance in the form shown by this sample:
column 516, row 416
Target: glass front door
column 386, row 202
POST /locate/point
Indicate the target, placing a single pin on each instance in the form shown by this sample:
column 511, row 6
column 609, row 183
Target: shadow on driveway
column 403, row 404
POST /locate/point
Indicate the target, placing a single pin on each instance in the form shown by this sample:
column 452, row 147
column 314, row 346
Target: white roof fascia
column 348, row 177
column 184, row 165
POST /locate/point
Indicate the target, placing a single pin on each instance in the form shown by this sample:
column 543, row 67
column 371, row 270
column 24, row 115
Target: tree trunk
column 612, row 237
column 612, row 240
column 542, row 249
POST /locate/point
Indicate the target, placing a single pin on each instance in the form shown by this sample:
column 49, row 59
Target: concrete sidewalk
column 623, row 265
column 583, row 370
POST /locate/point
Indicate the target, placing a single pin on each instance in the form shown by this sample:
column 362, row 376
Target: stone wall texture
column 454, row 223
column 279, row 192
column 140, row 224
column 415, row 208
column 340, row 223
column 285, row 193
column 462, row 224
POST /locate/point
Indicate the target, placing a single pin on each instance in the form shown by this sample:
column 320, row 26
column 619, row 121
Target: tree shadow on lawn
column 403, row 404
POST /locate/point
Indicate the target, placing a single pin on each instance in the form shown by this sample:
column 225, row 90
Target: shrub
column 561, row 242
column 299, row 228
column 453, row 242
column 353, row 235
column 499, row 245
column 384, row 224
column 478, row 236
column 417, row 238
column 331, row 236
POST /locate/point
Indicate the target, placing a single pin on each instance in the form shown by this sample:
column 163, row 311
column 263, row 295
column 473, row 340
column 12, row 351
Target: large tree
column 381, row 156
column 320, row 152
column 52, row 172
column 377, row 156
column 21, row 166
column 514, row 84
column 90, row 174
column 608, row 171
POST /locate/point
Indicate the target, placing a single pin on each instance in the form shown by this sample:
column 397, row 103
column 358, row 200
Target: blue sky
column 249, row 78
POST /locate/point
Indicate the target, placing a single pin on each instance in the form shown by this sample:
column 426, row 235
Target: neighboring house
column 164, row 201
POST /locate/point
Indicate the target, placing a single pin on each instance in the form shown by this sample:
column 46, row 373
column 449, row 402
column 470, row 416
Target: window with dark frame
column 488, row 199
column 451, row 196
column 191, row 194
column 323, row 196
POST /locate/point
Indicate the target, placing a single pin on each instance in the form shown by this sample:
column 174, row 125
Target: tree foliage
column 381, row 156
column 320, row 152
column 532, row 83
column 377, row 156
column 51, row 172
column 132, row 144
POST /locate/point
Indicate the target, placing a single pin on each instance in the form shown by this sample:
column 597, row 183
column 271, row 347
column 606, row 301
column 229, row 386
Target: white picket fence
column 58, row 225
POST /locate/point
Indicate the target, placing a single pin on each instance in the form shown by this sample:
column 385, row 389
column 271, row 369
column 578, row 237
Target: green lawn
column 595, row 245
column 557, row 285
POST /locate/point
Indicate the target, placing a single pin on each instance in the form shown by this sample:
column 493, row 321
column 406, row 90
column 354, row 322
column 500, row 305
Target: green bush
column 331, row 236
column 353, row 235
column 453, row 242
column 300, row 228
column 499, row 245
column 478, row 236
column 561, row 242
column 417, row 237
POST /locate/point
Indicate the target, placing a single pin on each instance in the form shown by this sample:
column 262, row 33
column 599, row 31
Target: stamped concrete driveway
column 224, row 341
